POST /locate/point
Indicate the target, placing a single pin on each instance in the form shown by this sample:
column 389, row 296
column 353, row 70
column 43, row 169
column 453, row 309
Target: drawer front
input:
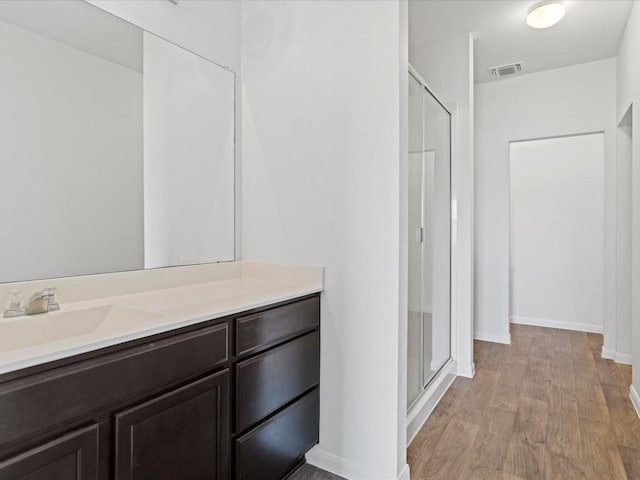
column 268, row 381
column 261, row 330
column 271, row 450
column 40, row 402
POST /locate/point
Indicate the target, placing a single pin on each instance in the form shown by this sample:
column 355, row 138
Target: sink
column 32, row 330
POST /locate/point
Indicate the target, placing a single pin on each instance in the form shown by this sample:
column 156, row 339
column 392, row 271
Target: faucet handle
column 53, row 300
column 13, row 305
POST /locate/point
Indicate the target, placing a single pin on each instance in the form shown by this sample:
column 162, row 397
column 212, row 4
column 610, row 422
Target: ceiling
column 591, row 30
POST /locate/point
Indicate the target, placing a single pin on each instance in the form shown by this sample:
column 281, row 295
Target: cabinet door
column 183, row 434
column 73, row 456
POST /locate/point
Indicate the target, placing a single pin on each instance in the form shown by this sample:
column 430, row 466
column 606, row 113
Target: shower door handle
column 419, row 235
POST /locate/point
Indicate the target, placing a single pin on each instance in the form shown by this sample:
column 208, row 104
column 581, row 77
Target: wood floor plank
column 539, row 369
column 608, row 372
column 525, row 454
column 587, row 389
column 425, row 441
column 625, row 421
column 594, row 410
column 524, row 460
column 506, row 394
column 478, row 396
column 448, row 459
column 531, row 421
column 631, row 461
column 488, row 451
column 562, row 341
column 563, row 424
column 456, row 391
column 561, row 374
column 599, row 450
column 559, row 467
column 535, row 390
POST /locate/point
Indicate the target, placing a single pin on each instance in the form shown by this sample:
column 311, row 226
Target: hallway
column 546, row 406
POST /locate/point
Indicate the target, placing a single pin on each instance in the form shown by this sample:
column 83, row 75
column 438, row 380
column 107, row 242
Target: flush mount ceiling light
column 545, row 14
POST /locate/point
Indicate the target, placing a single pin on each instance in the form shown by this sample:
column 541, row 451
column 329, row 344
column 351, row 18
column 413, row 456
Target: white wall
column 321, row 177
column 557, row 232
column 447, row 68
column 188, row 157
column 55, row 151
column 564, row 101
column 628, row 93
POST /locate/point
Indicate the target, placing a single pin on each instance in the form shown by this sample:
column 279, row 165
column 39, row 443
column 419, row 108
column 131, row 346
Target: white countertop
column 114, row 320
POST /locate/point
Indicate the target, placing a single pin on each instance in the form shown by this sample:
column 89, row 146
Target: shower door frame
column 425, row 385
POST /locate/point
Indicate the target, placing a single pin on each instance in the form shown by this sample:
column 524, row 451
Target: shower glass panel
column 429, row 322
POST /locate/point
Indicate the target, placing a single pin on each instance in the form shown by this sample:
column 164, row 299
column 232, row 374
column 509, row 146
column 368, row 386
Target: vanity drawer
column 261, row 330
column 271, row 450
column 269, row 381
column 37, row 403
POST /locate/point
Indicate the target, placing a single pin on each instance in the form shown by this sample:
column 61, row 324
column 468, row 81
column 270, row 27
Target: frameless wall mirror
column 116, row 146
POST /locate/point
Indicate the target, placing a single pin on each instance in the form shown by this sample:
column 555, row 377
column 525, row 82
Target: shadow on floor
column 307, row 472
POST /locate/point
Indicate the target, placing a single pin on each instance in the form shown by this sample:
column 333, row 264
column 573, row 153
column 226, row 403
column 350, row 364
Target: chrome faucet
column 43, row 301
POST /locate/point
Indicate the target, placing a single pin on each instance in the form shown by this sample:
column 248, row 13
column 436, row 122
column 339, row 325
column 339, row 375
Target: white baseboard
column 345, row 468
column 420, row 411
column 489, row 337
column 404, row 473
column 635, row 399
column 545, row 322
column 468, row 371
column 608, row 353
column 623, row 358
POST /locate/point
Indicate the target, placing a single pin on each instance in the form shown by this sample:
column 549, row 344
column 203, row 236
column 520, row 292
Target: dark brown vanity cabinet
column 277, row 389
column 228, row 398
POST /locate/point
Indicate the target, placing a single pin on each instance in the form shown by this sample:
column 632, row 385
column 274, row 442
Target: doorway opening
column 556, row 232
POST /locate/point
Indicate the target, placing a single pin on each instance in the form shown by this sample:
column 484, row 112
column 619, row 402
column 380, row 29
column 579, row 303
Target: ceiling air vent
column 506, row 70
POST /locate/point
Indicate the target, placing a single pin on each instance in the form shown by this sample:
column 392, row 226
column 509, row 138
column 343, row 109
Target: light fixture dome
column 545, row 14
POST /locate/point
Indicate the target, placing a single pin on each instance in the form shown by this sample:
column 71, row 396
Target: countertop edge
column 10, row 367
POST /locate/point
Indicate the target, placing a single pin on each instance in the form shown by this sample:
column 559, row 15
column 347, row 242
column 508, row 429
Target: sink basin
column 32, row 330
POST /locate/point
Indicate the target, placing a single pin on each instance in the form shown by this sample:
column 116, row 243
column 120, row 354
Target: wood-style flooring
column 548, row 406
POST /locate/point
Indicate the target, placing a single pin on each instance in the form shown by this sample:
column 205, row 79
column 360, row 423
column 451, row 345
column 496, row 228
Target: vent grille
column 506, row 70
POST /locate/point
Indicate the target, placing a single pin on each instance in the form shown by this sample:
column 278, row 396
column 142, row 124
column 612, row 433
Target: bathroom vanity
column 235, row 396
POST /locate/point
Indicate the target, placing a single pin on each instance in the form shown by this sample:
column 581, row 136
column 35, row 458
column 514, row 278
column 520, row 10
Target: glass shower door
column 429, row 322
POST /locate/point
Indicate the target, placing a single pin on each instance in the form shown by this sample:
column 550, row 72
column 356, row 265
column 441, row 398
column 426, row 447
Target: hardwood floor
column 548, row 406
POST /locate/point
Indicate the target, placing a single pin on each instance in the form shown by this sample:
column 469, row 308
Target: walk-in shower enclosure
column 429, row 330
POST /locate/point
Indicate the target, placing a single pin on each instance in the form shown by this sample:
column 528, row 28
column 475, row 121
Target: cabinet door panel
column 183, row 434
column 71, row 457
